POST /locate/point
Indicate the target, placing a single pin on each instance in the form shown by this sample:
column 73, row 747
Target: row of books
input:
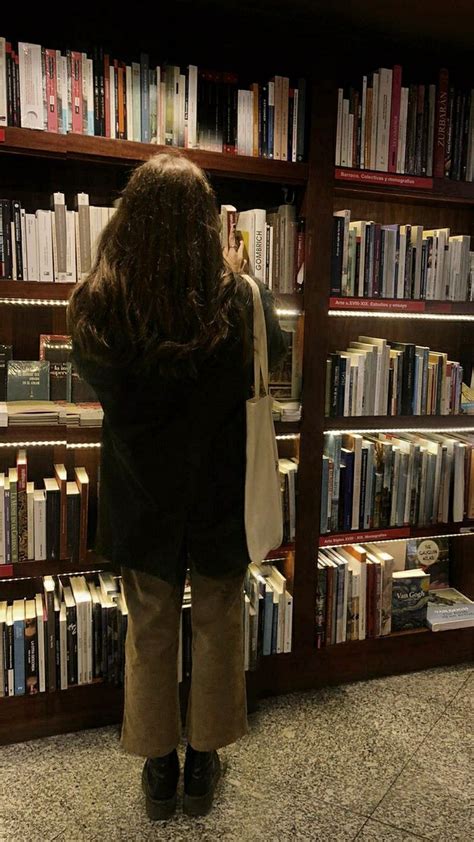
column 417, row 129
column 399, row 261
column 47, row 523
column 382, row 377
column 268, row 613
column 288, row 469
column 384, row 480
column 362, row 593
column 57, row 245
column 72, row 632
column 51, row 378
column 50, row 414
column 274, row 244
column 196, row 109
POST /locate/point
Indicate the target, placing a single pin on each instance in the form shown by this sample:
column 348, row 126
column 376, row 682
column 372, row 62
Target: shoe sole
column 158, row 809
column 199, row 805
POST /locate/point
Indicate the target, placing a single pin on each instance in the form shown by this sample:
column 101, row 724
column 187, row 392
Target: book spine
column 301, row 116
column 19, row 656
column 17, row 247
column 22, row 513
column 395, row 117
column 441, row 124
column 51, row 90
column 145, row 97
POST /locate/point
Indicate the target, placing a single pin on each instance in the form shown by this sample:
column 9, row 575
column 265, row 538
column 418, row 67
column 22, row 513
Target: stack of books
column 380, row 377
column 388, row 480
column 268, row 613
column 196, row 109
column 418, row 129
column 400, row 261
column 43, row 523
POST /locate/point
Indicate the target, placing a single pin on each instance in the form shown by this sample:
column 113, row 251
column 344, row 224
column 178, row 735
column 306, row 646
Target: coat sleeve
column 277, row 339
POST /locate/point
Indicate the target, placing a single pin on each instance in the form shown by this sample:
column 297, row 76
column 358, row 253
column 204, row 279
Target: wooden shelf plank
column 400, row 306
column 33, row 569
column 34, row 290
column 412, row 422
column 370, row 185
column 127, row 152
column 395, row 533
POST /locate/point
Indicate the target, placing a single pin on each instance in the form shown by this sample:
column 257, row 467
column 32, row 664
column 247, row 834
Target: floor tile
column 433, row 797
column 377, row 832
column 353, row 742
column 436, row 685
column 463, row 702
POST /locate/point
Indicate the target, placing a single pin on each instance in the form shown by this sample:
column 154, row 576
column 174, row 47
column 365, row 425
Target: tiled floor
column 390, row 760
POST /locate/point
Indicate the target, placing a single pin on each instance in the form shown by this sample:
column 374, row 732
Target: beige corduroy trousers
column 217, row 713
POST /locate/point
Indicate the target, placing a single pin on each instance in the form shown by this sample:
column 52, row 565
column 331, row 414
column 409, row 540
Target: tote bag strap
column 260, row 351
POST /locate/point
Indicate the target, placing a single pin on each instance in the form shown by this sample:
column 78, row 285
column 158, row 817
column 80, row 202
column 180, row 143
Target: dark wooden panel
column 446, row 195
column 103, row 150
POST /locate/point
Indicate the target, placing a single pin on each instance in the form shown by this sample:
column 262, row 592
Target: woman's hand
column 235, row 257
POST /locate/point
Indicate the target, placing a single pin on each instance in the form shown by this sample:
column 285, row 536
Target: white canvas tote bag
column 263, row 504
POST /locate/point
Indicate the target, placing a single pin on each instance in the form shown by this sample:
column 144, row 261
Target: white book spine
column 40, row 527
column 32, row 256
column 402, row 131
column 340, row 98
column 362, row 122
column 281, row 622
column 89, row 95
column 383, row 119
column 136, row 119
column 59, row 237
column 375, row 117
column 129, row 94
column 159, row 107
column 80, row 639
column 31, row 86
column 41, row 651
column 23, row 244
column 192, row 105
column 3, row 84
column 260, row 244
column 63, row 647
column 45, row 245
column 71, row 276
column 246, row 635
column 30, row 514
column 271, row 104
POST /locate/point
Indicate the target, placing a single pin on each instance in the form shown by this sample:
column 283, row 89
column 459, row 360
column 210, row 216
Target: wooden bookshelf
column 396, row 533
column 364, row 184
column 401, row 307
column 34, row 569
column 65, row 160
column 102, row 150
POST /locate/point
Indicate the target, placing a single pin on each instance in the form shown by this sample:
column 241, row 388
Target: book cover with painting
column 448, row 608
column 409, row 599
column 432, row 555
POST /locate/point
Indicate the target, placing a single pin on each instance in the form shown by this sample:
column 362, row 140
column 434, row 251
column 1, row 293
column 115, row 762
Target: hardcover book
column 432, row 555
column 27, row 380
column 409, row 599
column 448, row 609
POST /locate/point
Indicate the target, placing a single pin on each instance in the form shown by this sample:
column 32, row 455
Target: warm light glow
column 33, row 576
column 285, row 312
column 287, row 436
column 403, row 430
column 435, row 317
column 32, row 443
column 35, row 302
column 83, row 445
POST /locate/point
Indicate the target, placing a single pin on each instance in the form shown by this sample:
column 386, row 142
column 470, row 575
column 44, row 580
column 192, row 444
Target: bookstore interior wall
column 368, row 581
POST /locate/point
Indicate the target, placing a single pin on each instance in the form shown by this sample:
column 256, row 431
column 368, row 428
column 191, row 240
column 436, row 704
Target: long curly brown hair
column 159, row 290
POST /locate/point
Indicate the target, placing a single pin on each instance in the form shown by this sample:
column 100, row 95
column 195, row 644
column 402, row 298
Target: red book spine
column 51, row 91
column 107, row 94
column 76, row 88
column 395, row 117
column 441, row 124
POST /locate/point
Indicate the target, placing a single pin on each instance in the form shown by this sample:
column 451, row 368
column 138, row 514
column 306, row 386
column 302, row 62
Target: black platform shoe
column 202, row 771
column 159, row 781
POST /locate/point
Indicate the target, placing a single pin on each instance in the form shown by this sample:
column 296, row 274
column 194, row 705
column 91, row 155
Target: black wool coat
column 172, row 474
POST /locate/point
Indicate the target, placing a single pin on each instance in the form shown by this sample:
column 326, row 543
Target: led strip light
column 33, row 444
column 35, row 302
column 287, row 312
column 402, row 430
column 468, row 531
column 435, row 317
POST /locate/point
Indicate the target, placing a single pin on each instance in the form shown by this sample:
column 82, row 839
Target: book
column 22, row 516
column 449, row 609
column 19, row 646
column 27, row 380
column 432, row 556
column 409, row 599
column 82, row 482
column 53, row 518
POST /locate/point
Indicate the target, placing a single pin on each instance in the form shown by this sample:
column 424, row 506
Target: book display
column 369, row 254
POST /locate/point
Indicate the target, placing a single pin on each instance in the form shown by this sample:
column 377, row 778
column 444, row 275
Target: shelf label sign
column 2, row 135
column 6, row 570
column 391, row 304
column 362, row 537
column 385, row 179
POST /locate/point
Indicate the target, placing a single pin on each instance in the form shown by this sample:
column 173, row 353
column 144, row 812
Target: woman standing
column 162, row 330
